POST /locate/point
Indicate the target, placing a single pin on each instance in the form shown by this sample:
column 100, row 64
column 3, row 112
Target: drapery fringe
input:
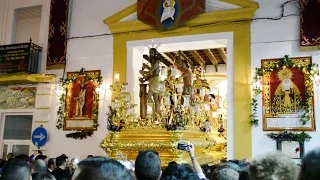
column 57, row 66
column 310, row 48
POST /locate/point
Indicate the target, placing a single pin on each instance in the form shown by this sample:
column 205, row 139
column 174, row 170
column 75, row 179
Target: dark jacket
column 61, row 174
column 35, row 175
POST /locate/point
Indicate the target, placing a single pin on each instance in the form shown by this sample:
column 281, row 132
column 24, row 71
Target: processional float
column 172, row 110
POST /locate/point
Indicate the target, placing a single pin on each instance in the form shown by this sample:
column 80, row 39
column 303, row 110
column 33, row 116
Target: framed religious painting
column 288, row 94
column 81, row 100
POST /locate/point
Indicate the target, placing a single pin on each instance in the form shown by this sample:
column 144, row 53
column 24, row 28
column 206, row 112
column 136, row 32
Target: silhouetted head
column 178, row 172
column 39, row 166
column 148, row 165
column 310, row 167
column 16, row 169
column 273, row 165
column 101, row 168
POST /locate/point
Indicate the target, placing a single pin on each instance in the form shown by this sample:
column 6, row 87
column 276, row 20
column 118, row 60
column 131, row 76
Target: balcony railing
column 20, row 58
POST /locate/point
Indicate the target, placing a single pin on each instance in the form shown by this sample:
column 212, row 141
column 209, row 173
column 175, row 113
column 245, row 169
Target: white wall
column 91, row 54
column 274, row 39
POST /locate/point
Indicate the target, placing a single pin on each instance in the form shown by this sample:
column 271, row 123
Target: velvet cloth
column 58, row 30
column 298, row 79
column 310, row 26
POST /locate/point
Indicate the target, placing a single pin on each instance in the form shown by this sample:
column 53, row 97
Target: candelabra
column 121, row 111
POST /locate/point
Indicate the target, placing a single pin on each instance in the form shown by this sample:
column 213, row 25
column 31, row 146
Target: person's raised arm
column 195, row 163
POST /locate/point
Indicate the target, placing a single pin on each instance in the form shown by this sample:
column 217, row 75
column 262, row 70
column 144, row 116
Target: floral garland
column 290, row 136
column 83, row 134
column 254, row 102
column 285, row 62
column 254, row 117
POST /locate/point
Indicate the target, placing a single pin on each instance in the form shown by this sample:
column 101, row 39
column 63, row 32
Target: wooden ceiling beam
column 212, row 58
column 185, row 57
column 198, row 58
column 170, row 57
column 164, row 61
column 223, row 54
column 175, row 61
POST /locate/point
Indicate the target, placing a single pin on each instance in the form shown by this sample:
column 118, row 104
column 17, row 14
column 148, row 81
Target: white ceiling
column 186, row 46
column 216, row 5
column 211, row 5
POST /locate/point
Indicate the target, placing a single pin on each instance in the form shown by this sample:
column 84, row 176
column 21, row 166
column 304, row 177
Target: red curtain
column 310, row 26
column 58, row 30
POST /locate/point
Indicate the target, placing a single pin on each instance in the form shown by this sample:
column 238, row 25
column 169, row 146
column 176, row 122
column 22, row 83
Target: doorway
column 219, row 72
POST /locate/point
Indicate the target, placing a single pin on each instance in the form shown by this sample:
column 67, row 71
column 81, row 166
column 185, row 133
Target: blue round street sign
column 40, row 137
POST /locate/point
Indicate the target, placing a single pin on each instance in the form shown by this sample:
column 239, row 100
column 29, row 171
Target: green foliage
column 80, row 135
column 254, row 117
column 290, row 136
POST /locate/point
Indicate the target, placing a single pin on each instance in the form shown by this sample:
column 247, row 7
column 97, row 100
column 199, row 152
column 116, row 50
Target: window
column 17, row 127
column 28, row 24
column 16, row 134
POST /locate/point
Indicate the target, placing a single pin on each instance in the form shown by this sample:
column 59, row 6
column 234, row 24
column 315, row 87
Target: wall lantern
column 58, row 90
column 256, row 85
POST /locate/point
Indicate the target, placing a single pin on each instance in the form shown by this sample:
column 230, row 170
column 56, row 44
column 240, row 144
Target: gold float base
column 210, row 147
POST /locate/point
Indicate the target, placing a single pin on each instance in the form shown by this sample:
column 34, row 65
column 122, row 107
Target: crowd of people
column 147, row 166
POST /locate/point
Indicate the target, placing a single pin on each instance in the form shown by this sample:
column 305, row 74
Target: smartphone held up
column 183, row 147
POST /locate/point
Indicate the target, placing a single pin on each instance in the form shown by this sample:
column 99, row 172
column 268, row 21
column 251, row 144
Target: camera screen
column 183, row 147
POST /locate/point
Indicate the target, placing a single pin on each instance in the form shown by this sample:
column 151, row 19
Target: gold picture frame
column 285, row 90
column 81, row 101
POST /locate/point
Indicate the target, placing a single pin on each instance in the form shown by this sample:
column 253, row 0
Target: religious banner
column 169, row 14
column 288, row 94
column 309, row 24
column 57, row 40
column 12, row 98
column 81, row 100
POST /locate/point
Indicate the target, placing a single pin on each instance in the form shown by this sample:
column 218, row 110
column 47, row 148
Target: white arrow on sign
column 40, row 137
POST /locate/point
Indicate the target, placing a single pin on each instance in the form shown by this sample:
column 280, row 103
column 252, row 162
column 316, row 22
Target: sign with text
column 14, row 58
column 11, row 98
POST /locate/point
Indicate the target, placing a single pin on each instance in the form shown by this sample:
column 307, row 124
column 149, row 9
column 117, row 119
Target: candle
column 173, row 71
column 163, row 72
column 202, row 92
column 149, row 108
column 113, row 104
column 186, row 100
column 207, row 107
column 162, row 87
column 214, row 115
column 167, row 101
column 174, row 98
column 192, row 110
column 197, row 108
column 117, row 104
column 116, row 77
column 179, row 88
column 124, row 87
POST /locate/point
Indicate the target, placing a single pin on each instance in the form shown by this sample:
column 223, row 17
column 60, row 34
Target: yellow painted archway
column 237, row 21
